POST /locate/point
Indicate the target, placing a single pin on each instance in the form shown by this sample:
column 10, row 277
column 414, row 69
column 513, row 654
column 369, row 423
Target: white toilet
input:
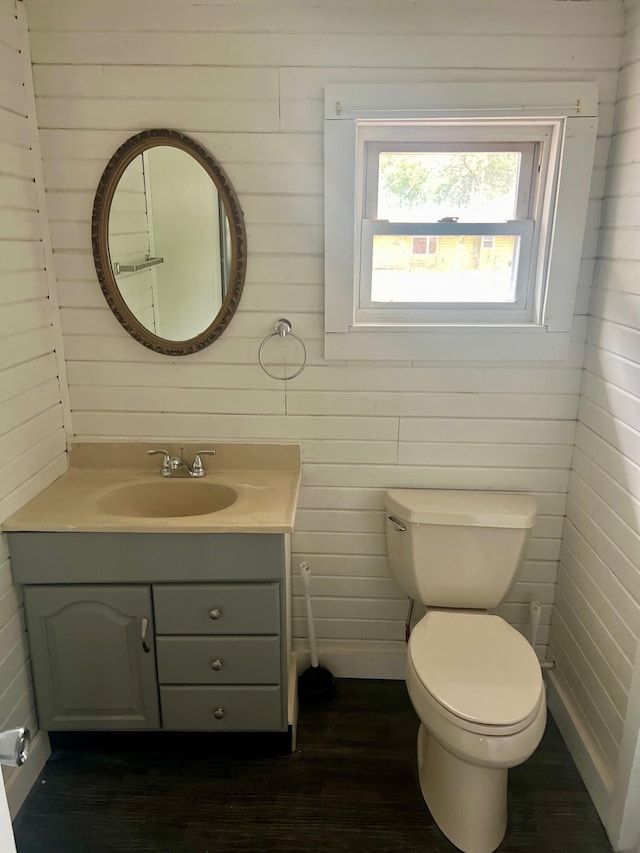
column 474, row 681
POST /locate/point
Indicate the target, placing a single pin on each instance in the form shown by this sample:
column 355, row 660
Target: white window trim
column 574, row 104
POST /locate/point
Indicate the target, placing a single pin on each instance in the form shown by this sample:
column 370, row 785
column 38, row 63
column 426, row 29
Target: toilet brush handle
column 305, row 574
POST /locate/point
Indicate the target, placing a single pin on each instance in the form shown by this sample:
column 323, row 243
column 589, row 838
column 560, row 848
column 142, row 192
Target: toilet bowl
column 476, row 686
column 474, row 681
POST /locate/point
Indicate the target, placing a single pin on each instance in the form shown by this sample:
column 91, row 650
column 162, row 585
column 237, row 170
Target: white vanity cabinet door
column 93, row 657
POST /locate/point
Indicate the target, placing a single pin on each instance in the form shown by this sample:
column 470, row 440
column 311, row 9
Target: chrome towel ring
column 282, row 330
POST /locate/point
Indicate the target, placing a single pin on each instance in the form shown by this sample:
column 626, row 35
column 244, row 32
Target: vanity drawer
column 221, row 708
column 218, row 660
column 246, row 608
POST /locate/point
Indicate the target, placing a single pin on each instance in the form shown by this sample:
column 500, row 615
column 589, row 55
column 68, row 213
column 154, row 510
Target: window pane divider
column 511, row 227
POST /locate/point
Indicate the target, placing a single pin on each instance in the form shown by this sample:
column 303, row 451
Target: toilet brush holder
column 316, row 683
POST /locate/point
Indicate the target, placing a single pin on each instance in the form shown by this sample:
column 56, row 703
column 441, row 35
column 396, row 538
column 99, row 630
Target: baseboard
column 585, row 753
column 363, row 662
column 21, row 779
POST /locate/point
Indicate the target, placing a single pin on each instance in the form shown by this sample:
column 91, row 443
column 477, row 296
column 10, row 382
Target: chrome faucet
column 175, row 466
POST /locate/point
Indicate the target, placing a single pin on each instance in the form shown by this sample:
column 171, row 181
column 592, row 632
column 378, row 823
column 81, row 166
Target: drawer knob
column 216, row 665
column 218, row 713
column 215, row 613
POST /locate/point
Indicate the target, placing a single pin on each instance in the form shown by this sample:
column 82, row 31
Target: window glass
column 467, row 186
column 447, row 222
column 457, row 270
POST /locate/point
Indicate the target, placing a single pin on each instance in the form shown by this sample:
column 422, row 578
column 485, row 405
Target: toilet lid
column 477, row 666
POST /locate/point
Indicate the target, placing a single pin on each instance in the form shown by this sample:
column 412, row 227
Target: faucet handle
column 197, row 469
column 166, row 468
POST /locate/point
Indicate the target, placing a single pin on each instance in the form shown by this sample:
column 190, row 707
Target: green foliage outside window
column 452, row 180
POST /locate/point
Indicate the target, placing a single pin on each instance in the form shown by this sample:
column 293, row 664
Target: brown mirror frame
column 127, row 152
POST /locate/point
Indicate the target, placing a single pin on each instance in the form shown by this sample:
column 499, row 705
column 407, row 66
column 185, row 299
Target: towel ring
column 282, row 330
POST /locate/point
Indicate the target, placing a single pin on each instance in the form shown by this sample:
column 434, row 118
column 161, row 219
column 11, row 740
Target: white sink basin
column 167, row 499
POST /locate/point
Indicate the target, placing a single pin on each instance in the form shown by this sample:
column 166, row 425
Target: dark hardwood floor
column 350, row 785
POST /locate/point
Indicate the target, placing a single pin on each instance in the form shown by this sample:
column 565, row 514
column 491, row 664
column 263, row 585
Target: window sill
column 447, row 343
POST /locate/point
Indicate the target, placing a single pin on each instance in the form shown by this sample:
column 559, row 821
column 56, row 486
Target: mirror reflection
column 169, row 243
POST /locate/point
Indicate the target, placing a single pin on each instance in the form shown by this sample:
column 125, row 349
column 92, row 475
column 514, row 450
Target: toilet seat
column 477, row 670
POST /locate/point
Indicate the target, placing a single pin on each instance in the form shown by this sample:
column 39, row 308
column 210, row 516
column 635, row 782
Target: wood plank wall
column 246, row 80
column 596, row 621
column 32, row 438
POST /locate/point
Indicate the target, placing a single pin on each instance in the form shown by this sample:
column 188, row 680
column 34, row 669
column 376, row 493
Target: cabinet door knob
column 216, row 664
column 218, row 713
column 215, row 613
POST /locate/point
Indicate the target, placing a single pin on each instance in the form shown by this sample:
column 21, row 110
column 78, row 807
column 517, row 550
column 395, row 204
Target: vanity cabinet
column 92, row 656
column 149, row 630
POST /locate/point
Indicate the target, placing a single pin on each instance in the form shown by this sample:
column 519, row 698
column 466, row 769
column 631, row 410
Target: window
column 433, row 181
column 423, row 245
column 464, row 224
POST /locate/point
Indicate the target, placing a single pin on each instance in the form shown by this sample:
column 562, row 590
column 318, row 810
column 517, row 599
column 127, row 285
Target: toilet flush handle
column 398, row 525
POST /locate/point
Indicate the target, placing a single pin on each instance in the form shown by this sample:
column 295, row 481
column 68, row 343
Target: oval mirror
column 169, row 242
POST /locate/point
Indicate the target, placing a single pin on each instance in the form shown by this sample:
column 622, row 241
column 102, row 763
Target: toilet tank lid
column 462, row 508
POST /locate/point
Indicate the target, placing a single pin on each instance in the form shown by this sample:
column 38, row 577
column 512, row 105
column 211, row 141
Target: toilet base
column 468, row 802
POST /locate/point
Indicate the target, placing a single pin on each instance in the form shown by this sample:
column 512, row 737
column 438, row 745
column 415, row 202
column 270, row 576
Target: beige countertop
column 266, row 478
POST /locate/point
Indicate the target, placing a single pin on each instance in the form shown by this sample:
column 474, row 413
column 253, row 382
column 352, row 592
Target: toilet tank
column 458, row 549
